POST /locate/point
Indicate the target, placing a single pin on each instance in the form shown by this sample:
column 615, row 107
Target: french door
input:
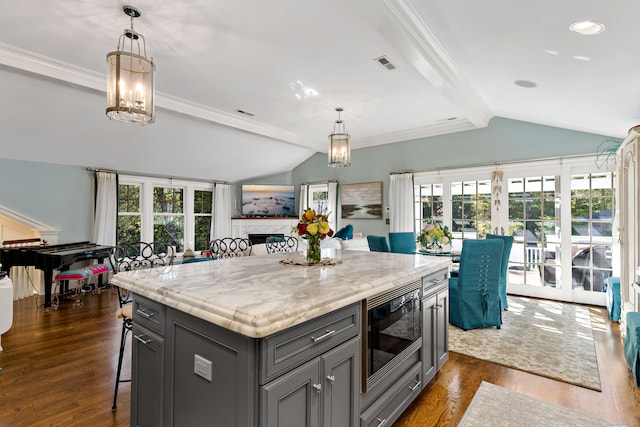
column 560, row 213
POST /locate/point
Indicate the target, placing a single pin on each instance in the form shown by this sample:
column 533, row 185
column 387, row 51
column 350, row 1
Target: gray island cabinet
column 253, row 342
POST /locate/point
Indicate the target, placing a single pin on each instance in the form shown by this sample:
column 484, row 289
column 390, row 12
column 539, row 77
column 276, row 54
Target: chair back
column 475, row 293
column 281, row 244
column 230, row 247
column 377, row 243
column 403, row 242
column 506, row 252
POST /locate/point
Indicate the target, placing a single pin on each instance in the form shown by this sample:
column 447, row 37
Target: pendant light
column 130, row 78
column 339, row 150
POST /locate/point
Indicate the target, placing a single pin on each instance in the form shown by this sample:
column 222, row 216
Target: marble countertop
column 257, row 296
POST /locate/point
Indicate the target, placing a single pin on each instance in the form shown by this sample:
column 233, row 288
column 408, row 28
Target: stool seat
column 632, row 344
column 125, row 312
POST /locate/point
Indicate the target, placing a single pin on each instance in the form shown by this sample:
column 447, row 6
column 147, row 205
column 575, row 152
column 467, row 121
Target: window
column 428, row 205
column 202, row 210
column 178, row 213
column 168, row 216
column 318, row 196
column 470, row 209
column 129, row 217
column 591, row 230
column 534, row 223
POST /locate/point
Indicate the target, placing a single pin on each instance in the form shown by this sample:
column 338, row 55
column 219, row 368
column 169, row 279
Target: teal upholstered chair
column 632, row 344
column 474, row 296
column 613, row 298
column 506, row 252
column 377, row 243
column 402, row 242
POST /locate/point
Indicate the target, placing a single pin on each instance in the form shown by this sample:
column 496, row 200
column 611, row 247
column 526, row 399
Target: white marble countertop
column 257, row 296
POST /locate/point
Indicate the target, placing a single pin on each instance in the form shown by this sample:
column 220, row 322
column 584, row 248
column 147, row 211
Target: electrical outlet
column 202, row 367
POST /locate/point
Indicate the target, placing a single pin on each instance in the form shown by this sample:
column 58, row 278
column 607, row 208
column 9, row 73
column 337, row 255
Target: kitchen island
column 246, row 341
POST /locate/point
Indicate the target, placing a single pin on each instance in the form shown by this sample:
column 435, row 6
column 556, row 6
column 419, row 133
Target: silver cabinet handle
column 145, row 314
column 317, row 388
column 327, row 334
column 142, row 340
column 381, row 421
column 417, row 384
column 331, row 379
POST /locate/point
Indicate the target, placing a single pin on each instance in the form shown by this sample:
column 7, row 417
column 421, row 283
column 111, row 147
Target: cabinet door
column 341, row 380
column 148, row 378
column 442, row 328
column 429, row 338
column 293, row 400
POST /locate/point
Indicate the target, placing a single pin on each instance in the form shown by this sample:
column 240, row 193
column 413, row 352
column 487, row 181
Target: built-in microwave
column 392, row 330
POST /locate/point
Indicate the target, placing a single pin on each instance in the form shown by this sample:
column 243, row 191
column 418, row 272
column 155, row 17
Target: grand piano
column 52, row 257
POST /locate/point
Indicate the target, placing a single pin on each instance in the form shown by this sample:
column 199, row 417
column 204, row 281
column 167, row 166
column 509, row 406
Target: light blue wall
column 503, row 140
column 61, row 197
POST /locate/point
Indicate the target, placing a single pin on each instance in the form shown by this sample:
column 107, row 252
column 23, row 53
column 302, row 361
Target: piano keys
column 53, row 257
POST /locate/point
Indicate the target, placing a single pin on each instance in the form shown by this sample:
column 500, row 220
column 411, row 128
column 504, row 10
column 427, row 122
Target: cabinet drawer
column 391, row 404
column 284, row 350
column 149, row 314
column 434, row 280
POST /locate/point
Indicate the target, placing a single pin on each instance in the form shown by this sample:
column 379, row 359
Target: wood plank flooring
column 58, row 369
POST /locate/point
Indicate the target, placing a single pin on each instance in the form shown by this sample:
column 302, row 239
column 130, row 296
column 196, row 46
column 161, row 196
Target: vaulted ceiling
column 290, row 63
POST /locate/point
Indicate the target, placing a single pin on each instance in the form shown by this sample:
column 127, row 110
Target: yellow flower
column 324, row 227
column 312, row 228
column 309, row 215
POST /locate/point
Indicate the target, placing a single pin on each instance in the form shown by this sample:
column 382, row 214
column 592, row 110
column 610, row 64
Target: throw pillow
column 345, row 233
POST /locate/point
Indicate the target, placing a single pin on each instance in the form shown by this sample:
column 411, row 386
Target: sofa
column 6, row 306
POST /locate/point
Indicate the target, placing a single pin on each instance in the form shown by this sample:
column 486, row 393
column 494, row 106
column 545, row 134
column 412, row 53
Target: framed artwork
column 360, row 201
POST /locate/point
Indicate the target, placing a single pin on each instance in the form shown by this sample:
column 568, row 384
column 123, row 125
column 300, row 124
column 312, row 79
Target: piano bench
column 97, row 270
column 80, row 275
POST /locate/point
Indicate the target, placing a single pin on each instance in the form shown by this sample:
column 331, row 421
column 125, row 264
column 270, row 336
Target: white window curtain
column 303, row 202
column 401, row 202
column 332, row 204
column 104, row 225
column 221, row 211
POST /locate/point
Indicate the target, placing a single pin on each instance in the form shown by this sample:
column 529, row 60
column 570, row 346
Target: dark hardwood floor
column 58, row 369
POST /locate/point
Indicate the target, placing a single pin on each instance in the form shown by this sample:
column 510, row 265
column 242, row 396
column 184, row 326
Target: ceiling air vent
column 385, row 63
column 246, row 113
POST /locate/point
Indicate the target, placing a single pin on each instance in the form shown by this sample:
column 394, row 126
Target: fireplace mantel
column 242, row 227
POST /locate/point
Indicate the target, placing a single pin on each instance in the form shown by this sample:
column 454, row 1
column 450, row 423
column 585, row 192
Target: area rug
column 546, row 338
column 497, row 406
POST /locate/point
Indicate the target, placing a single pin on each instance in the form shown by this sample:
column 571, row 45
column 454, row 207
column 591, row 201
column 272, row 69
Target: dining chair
column 281, row 244
column 474, row 296
column 377, row 243
column 402, row 242
column 230, row 247
column 506, row 253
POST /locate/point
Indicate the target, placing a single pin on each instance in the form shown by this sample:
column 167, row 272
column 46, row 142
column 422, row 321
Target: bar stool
column 125, row 312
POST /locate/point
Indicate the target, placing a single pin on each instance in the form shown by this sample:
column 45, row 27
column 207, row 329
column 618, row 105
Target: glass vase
column 313, row 249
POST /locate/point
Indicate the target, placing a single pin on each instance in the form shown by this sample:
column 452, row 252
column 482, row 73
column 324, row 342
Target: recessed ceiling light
column 551, row 52
column 581, row 58
column 587, row 28
column 525, row 83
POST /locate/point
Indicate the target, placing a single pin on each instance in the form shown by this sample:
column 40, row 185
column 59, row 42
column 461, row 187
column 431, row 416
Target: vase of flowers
column 313, row 227
column 434, row 237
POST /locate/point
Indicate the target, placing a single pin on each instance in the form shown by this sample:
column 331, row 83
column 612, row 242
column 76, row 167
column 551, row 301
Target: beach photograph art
column 268, row 200
column 361, row 200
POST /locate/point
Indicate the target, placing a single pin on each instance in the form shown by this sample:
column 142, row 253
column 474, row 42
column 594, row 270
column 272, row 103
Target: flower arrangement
column 432, row 235
column 313, row 227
